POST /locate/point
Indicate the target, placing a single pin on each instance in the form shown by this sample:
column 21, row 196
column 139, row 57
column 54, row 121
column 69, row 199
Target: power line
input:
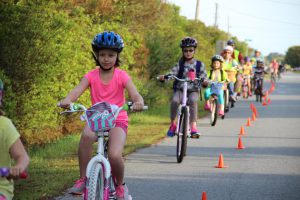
column 285, row 3
column 256, row 17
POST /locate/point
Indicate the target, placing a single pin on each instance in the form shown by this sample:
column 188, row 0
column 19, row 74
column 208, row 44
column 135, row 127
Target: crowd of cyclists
column 107, row 83
column 241, row 76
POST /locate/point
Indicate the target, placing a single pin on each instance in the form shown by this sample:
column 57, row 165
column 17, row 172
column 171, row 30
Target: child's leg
column 85, row 149
column 193, row 102
column 174, row 105
column 117, row 140
column 221, row 100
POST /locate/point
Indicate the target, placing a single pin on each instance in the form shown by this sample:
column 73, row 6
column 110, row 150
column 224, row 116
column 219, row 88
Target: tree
column 292, row 56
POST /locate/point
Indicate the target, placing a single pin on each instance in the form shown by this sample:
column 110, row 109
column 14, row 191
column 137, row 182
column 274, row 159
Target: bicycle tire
column 226, row 100
column 182, row 135
column 95, row 183
column 214, row 111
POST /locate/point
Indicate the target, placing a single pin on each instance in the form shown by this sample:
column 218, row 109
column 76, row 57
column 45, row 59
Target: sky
column 269, row 25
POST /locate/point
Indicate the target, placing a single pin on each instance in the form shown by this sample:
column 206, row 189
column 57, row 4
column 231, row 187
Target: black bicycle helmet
column 259, row 60
column 108, row 40
column 188, row 42
column 217, row 57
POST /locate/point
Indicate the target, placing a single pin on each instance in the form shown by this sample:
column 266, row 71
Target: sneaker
column 195, row 133
column 122, row 193
column 78, row 187
column 221, row 112
column 207, row 106
column 171, row 131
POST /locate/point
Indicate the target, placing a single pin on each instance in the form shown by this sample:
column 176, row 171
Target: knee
column 114, row 156
column 87, row 137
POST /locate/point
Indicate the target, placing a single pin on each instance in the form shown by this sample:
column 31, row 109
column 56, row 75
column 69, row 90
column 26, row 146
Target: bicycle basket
column 216, row 88
column 100, row 117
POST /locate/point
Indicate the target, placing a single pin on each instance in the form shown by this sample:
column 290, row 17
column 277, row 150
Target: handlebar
column 4, row 172
column 171, row 76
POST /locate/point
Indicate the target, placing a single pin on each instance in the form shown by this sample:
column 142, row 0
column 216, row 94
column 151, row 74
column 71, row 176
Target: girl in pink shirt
column 106, row 83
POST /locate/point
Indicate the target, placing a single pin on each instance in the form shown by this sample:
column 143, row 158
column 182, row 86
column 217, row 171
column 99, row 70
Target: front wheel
column 226, row 100
column 213, row 111
column 95, row 183
column 182, row 135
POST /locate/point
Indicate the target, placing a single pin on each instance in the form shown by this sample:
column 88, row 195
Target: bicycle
column 245, row 87
column 216, row 87
column 227, row 100
column 183, row 130
column 100, row 118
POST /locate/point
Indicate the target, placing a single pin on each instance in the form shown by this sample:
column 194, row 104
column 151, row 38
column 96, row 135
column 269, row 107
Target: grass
column 54, row 167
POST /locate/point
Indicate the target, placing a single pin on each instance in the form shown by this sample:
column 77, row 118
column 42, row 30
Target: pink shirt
column 112, row 92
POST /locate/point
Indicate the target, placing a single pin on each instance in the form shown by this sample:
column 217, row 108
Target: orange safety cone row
column 242, row 131
column 253, row 117
column 248, row 122
column 204, row 196
column 240, row 144
column 221, row 162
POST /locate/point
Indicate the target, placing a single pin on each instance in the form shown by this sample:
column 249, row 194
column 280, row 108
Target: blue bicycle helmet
column 188, row 42
column 108, row 40
column 230, row 42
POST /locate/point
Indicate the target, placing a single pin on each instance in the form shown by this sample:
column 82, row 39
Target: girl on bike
column 229, row 66
column 106, row 83
column 247, row 72
column 11, row 148
column 216, row 74
column 187, row 62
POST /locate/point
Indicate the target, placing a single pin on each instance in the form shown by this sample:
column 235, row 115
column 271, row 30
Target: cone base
column 240, row 148
column 221, row 166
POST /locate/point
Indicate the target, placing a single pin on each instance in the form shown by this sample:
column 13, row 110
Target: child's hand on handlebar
column 65, row 103
column 138, row 106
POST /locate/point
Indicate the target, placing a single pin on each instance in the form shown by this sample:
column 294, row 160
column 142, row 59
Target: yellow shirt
column 8, row 136
column 247, row 69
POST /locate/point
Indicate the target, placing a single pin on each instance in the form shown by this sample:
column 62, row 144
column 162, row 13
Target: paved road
column 267, row 169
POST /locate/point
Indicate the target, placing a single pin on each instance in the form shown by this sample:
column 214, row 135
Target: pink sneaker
column 221, row 112
column 78, row 187
column 122, row 192
column 195, row 133
column 207, row 106
column 171, row 131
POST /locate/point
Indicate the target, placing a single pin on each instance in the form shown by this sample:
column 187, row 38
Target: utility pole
column 216, row 16
column 228, row 26
column 197, row 14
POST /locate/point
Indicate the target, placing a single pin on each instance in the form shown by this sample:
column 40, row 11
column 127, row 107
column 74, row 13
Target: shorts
column 122, row 125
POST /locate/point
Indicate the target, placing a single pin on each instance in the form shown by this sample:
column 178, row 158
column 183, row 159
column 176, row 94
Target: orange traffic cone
column 240, row 144
column 204, row 196
column 253, row 117
column 269, row 101
column 221, row 162
column 248, row 122
column 251, row 106
column 242, row 131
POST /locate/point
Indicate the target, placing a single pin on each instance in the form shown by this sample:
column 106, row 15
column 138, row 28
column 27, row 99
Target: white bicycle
column 100, row 118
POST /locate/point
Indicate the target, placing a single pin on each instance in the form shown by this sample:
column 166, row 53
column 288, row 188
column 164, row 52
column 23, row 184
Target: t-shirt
column 8, row 136
column 247, row 69
column 112, row 92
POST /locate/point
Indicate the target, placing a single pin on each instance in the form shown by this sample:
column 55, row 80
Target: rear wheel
column 95, row 183
column 213, row 111
column 182, row 135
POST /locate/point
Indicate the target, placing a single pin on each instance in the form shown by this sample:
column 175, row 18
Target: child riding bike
column 106, row 83
column 187, row 62
column 11, row 148
column 259, row 74
column 216, row 74
column 229, row 66
column 247, row 72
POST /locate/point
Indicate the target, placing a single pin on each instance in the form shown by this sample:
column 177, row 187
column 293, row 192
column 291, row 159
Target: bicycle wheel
column 226, row 100
column 213, row 111
column 182, row 135
column 95, row 183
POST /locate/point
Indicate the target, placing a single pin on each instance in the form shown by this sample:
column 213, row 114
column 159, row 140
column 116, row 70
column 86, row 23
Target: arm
column 138, row 101
column 75, row 93
column 18, row 153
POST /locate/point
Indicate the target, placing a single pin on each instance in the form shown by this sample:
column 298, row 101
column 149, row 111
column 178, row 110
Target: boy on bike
column 11, row 148
column 216, row 74
column 187, row 62
column 259, row 74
